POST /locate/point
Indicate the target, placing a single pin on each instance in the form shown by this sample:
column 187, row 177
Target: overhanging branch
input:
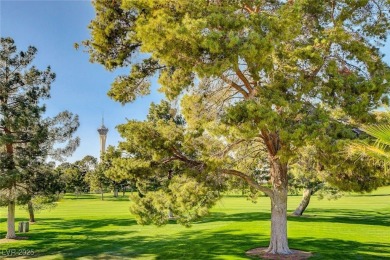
column 249, row 180
column 235, row 86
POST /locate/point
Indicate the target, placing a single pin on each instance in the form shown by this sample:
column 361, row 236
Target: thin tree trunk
column 11, row 221
column 31, row 212
column 304, row 202
column 101, row 191
column 123, row 191
column 115, row 192
column 170, row 214
column 278, row 242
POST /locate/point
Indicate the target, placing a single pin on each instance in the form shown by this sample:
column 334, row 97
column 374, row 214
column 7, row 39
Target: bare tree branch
column 235, row 86
column 249, row 180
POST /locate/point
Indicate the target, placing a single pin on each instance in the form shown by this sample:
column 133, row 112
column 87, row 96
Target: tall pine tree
column 26, row 138
column 279, row 74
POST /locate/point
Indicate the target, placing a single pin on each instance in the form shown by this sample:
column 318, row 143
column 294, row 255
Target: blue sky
column 53, row 27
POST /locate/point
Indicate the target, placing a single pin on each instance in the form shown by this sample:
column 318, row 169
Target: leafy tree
column 345, row 174
column 114, row 179
column 26, row 138
column 43, row 188
column 307, row 174
column 75, row 174
column 97, row 179
column 251, row 75
column 44, row 183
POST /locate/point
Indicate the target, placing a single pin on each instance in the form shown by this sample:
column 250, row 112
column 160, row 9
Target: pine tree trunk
column 11, row 221
column 304, row 202
column 31, row 212
column 278, row 242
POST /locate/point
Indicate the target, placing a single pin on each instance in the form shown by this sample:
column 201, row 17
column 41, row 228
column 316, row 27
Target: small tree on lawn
column 44, row 188
column 97, row 179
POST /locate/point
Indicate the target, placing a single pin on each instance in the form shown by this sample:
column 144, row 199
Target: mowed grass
column 353, row 227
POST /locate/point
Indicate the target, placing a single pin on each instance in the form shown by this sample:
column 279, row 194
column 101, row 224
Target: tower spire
column 103, row 137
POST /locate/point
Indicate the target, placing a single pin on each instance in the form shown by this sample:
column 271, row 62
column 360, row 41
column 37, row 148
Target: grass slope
column 353, row 227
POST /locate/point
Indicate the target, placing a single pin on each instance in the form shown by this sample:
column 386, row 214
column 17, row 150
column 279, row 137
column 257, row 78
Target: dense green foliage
column 22, row 131
column 354, row 227
column 27, row 138
column 75, row 174
column 164, row 188
column 253, row 78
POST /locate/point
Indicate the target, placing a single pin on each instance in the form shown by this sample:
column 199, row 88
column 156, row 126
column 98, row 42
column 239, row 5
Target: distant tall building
column 103, row 136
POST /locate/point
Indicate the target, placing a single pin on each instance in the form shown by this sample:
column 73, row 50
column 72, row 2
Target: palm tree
column 377, row 152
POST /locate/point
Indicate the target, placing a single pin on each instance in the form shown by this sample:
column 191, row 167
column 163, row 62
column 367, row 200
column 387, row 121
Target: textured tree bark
column 11, row 221
column 278, row 242
column 304, row 202
column 31, row 212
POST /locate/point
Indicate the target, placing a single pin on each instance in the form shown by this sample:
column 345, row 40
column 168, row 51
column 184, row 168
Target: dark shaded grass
column 226, row 234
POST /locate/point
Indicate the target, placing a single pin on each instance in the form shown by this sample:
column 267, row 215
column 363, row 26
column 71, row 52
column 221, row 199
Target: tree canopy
column 253, row 77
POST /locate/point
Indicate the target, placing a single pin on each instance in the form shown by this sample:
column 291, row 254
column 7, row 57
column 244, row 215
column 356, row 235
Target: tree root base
column 261, row 252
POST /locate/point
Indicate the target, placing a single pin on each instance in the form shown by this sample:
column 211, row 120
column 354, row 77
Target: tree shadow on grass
column 81, row 197
column 90, row 239
column 344, row 216
column 59, row 223
column 341, row 249
column 250, row 216
column 368, row 195
column 190, row 244
column 119, row 198
column 314, row 215
column 97, row 196
column 116, row 244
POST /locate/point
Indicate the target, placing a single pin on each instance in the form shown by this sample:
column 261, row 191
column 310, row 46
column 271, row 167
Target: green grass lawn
column 353, row 227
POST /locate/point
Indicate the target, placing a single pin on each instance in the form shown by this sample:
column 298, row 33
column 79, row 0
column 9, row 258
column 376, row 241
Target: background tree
column 74, row 174
column 44, row 184
column 344, row 175
column 275, row 72
column 26, row 138
column 307, row 175
column 45, row 187
column 97, row 179
column 114, row 179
